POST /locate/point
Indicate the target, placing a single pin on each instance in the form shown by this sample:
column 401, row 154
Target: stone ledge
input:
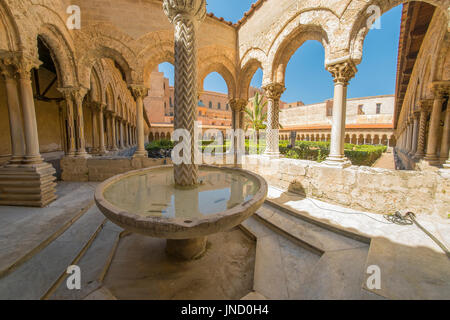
column 376, row 190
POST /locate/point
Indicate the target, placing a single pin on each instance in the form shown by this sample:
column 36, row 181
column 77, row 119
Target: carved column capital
column 425, row 105
column 182, row 9
column 342, row 72
column 274, row 90
column 440, row 88
column 12, row 63
column 238, row 104
column 138, row 91
column 77, row 94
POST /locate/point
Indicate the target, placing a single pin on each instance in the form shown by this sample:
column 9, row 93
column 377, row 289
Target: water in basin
column 153, row 194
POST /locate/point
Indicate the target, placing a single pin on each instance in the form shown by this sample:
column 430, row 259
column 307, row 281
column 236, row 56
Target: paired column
column 139, row 93
column 8, row 73
column 186, row 16
column 273, row 94
column 424, row 110
column 101, row 129
column 445, row 144
column 416, row 120
column 440, row 89
column 342, row 73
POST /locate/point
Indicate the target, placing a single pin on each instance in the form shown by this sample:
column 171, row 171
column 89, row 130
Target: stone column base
column 140, row 154
column 189, row 249
column 337, row 162
column 272, row 154
column 29, row 186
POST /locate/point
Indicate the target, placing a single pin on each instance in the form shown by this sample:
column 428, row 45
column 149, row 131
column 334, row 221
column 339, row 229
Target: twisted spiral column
column 273, row 94
column 185, row 15
column 424, row 110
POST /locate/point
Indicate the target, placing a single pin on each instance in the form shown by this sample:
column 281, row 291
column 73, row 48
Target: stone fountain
column 183, row 203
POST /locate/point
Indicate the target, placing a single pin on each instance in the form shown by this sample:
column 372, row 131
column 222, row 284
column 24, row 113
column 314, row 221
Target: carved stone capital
column 425, row 105
column 440, row 88
column 77, row 94
column 179, row 9
column 274, row 90
column 139, row 91
column 342, row 72
column 17, row 63
column 238, row 104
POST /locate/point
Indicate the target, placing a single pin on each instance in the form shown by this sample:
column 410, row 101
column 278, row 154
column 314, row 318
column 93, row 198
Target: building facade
column 369, row 120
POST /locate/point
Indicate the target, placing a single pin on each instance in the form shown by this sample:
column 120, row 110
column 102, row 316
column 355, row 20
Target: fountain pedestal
column 188, row 249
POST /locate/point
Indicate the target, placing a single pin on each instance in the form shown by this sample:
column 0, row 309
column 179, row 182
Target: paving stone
column 270, row 279
column 92, row 264
column 316, row 236
column 36, row 276
column 25, row 230
column 337, row 275
column 254, row 296
column 410, row 272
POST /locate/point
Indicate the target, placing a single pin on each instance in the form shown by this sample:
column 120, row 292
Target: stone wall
column 100, row 169
column 362, row 188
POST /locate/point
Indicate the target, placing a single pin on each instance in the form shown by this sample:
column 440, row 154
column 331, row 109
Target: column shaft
column 15, row 120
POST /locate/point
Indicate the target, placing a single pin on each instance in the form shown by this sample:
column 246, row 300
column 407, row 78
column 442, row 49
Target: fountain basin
column 147, row 202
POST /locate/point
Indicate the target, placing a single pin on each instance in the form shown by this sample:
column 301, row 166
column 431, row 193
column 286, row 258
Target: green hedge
column 359, row 155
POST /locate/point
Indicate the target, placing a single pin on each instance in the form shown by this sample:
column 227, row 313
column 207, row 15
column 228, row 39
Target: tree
column 256, row 118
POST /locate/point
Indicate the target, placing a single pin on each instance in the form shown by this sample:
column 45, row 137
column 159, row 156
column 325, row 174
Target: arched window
column 210, row 104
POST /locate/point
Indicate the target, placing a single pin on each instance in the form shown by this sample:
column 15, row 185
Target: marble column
column 416, row 120
column 139, row 93
column 70, row 120
column 186, row 16
column 237, row 123
column 101, row 130
column 408, row 136
column 8, row 74
column 445, row 143
column 32, row 154
column 78, row 96
column 424, row 110
column 273, row 93
column 120, row 133
column 440, row 88
column 95, row 106
column 112, row 126
column 342, row 73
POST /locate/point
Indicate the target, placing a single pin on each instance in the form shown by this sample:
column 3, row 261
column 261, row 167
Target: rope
column 409, row 219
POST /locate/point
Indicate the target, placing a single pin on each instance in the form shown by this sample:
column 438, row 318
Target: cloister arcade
column 103, row 72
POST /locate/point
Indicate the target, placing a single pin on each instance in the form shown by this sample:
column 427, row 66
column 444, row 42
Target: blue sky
column 306, row 78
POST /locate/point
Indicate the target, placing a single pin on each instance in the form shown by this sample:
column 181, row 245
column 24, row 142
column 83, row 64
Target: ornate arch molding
column 97, row 88
column 105, row 41
column 61, row 52
column 158, row 48
column 310, row 24
column 253, row 60
column 13, row 40
column 355, row 19
column 442, row 66
column 153, row 60
column 220, row 64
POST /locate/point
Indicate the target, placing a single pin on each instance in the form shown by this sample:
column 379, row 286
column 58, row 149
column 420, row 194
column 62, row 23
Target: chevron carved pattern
column 185, row 15
column 186, row 93
column 273, row 95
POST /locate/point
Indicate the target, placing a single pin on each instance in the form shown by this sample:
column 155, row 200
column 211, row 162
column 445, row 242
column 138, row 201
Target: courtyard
column 120, row 180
